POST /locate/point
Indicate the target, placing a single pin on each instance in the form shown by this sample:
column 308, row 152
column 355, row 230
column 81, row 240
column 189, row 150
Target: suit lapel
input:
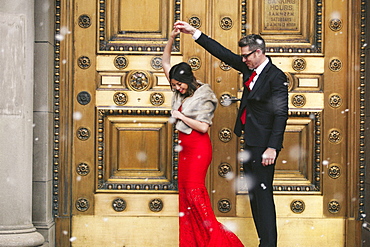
column 260, row 79
column 244, row 97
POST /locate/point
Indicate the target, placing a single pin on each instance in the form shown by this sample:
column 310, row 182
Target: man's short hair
column 254, row 41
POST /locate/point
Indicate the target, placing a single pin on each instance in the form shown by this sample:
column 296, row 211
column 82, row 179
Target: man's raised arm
column 212, row 46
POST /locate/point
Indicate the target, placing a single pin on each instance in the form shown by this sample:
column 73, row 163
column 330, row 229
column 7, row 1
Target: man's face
column 252, row 58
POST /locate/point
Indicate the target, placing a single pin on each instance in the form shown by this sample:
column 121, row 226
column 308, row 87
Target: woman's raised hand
column 175, row 32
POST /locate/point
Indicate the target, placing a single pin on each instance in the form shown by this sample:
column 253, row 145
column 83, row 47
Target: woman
column 193, row 107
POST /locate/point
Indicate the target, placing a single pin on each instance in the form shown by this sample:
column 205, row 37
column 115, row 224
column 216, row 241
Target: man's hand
column 184, row 27
column 268, row 157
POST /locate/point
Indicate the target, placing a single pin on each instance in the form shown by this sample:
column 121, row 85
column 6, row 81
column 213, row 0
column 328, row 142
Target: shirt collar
column 262, row 66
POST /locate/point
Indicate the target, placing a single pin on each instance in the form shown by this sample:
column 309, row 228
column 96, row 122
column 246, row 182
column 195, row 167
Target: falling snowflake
column 141, row 156
column 64, row 31
column 335, row 15
column 172, row 120
column 178, row 148
column 263, row 186
column 230, row 176
column 77, row 115
column 59, row 37
column 259, row 41
column 244, row 156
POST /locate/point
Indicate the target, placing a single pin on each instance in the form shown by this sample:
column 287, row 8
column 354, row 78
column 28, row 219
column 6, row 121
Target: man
column 262, row 115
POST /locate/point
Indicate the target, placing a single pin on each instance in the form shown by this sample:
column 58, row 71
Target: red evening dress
column 198, row 224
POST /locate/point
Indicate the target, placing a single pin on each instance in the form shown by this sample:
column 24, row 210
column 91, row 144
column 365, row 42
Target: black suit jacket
column 266, row 104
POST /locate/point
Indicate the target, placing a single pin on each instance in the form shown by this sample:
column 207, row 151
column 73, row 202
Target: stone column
column 42, row 201
column 16, row 123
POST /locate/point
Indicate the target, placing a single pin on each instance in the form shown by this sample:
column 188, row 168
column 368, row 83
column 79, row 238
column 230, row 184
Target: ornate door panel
column 115, row 176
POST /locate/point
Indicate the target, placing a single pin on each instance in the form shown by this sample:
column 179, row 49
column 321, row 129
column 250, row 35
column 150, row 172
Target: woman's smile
column 179, row 86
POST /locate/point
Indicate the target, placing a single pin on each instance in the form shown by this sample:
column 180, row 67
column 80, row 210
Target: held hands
column 175, row 32
column 199, row 126
column 176, row 114
column 268, row 157
column 184, row 27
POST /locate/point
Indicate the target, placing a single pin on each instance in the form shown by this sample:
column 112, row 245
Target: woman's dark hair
column 183, row 73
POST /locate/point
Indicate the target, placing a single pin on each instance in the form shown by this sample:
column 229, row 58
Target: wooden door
column 115, row 176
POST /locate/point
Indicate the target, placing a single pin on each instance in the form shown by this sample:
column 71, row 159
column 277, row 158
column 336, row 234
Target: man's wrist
column 197, row 33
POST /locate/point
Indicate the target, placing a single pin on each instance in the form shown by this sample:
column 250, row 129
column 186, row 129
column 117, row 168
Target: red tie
column 246, row 84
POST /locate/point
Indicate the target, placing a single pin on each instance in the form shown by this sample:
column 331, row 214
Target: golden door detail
column 116, row 150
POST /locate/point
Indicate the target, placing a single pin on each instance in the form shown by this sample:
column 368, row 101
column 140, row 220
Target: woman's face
column 179, row 86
